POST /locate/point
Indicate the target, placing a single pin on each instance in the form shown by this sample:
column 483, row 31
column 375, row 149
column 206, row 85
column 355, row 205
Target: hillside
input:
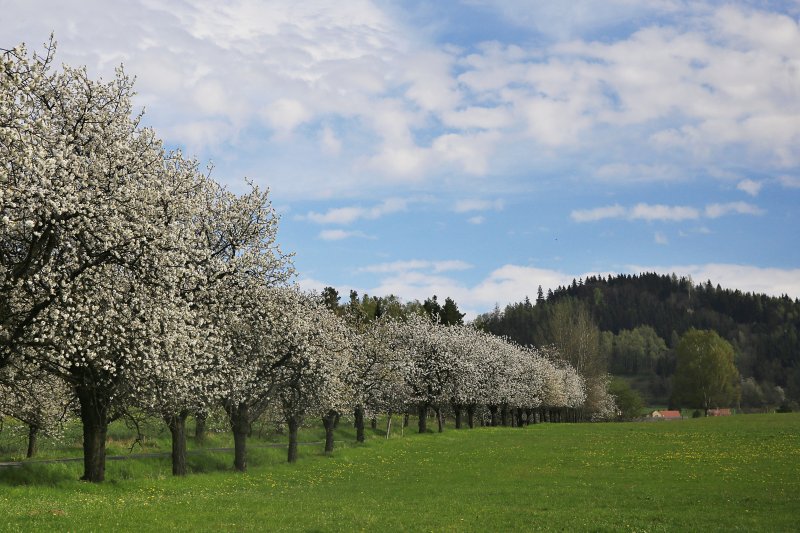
column 642, row 316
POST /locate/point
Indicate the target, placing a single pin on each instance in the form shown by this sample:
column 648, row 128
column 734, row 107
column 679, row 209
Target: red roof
column 667, row 414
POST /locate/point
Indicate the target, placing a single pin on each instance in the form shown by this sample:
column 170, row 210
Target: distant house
column 666, row 414
column 719, row 412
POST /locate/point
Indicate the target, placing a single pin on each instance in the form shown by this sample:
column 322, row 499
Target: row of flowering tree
column 131, row 279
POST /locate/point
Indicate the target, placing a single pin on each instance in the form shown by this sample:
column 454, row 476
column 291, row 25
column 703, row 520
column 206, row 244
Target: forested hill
column 763, row 329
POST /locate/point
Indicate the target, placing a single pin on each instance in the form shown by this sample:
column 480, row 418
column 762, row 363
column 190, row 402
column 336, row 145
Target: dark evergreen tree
column 331, row 298
column 450, row 315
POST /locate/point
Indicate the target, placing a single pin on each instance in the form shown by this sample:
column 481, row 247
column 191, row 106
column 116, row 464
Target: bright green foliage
column 628, row 401
column 705, row 375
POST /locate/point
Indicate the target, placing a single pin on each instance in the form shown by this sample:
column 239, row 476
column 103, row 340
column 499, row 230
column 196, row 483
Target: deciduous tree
column 705, row 375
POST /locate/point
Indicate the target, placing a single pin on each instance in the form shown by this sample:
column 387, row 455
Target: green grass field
column 715, row 474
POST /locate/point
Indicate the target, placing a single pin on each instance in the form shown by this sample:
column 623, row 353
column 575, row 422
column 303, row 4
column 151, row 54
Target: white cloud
column 338, row 234
column 716, row 82
column 739, row 208
column 641, row 211
column 307, row 283
column 479, row 117
column 476, row 220
column 660, row 238
column 330, row 143
column 598, row 213
column 348, row 215
column 664, row 213
column 468, row 151
column 285, row 114
column 465, row 206
column 751, row 187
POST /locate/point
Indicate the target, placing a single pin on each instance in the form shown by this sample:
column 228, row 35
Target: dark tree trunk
column 457, row 410
column 33, row 435
column 240, row 425
column 405, row 420
column 359, row 423
column 520, row 422
column 294, row 423
column 504, row 415
column 471, row 416
column 493, row 414
column 439, row 418
column 336, row 420
column 177, row 427
column 94, row 417
column 423, row 417
column 200, row 426
column 329, row 421
column 373, row 423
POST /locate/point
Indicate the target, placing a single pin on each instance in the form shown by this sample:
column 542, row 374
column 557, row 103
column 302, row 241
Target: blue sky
column 477, row 149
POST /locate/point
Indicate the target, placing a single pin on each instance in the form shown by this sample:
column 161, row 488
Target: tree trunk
column 94, row 417
column 33, row 434
column 504, row 414
column 200, row 426
column 457, row 410
column 177, row 427
column 359, row 423
column 405, row 420
column 471, row 416
column 240, row 425
column 373, row 423
column 493, row 414
column 329, row 421
column 336, row 420
column 423, row 417
column 519, row 418
column 389, row 424
column 294, row 423
column 439, row 419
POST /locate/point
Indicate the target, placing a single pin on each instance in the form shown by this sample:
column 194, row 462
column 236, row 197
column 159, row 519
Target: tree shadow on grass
column 50, row 475
column 210, row 462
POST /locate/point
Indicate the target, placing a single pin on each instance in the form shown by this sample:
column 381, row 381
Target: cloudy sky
column 477, row 149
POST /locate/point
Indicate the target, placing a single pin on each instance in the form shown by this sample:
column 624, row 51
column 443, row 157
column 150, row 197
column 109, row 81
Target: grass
column 711, row 474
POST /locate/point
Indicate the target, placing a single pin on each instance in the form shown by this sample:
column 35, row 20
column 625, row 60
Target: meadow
column 710, row 474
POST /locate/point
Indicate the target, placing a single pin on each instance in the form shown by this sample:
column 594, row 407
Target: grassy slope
column 737, row 473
